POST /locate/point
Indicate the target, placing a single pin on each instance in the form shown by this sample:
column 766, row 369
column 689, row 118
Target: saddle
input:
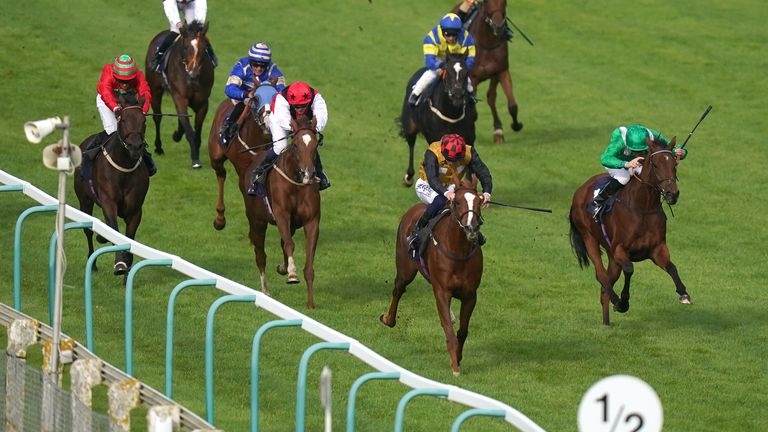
column 608, row 204
column 425, row 234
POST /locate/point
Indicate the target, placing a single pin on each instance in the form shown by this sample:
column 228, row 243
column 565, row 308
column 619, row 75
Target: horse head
column 305, row 147
column 193, row 46
column 131, row 125
column 465, row 208
column 455, row 78
column 660, row 168
column 495, row 15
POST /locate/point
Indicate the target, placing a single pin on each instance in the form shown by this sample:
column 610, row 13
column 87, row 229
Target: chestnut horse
column 447, row 110
column 634, row 230
column 453, row 264
column 189, row 79
column 292, row 201
column 492, row 60
column 119, row 180
column 251, row 141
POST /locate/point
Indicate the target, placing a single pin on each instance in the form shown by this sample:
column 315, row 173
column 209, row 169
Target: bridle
column 296, row 134
column 193, row 68
column 122, row 138
column 496, row 29
column 660, row 183
column 466, row 228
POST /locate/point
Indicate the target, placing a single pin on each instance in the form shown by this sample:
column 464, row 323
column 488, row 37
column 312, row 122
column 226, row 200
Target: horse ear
column 314, row 123
column 294, row 125
column 205, row 27
column 673, row 141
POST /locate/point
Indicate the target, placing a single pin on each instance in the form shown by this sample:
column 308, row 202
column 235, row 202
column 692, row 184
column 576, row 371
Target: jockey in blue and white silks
column 448, row 36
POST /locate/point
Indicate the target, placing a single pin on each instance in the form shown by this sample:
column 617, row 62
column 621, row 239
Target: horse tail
column 577, row 243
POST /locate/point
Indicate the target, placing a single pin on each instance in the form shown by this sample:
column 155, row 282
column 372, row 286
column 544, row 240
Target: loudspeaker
column 37, row 130
column 52, row 153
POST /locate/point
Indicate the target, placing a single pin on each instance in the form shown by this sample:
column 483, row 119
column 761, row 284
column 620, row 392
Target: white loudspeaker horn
column 52, row 154
column 37, row 130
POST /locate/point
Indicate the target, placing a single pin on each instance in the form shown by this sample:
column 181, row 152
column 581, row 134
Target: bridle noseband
column 121, row 137
column 660, row 183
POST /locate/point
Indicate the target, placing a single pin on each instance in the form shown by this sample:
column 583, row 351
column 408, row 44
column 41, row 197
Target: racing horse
column 249, row 144
column 291, row 201
column 189, row 79
column 447, row 110
column 453, row 264
column 119, row 180
column 634, row 230
column 488, row 29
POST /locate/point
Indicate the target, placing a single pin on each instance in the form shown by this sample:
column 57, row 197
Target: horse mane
column 128, row 99
column 195, row 27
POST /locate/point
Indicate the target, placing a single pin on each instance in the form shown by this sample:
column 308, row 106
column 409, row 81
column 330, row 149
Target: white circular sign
column 620, row 403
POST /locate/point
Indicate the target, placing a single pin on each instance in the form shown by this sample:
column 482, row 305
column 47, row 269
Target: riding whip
column 709, row 108
column 521, row 207
column 520, row 31
column 265, row 144
column 168, row 115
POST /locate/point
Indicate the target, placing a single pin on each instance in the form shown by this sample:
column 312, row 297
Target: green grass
column 536, row 340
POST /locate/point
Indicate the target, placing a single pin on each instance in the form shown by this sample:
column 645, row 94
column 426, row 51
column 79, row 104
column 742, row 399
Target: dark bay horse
column 251, row 135
column 119, row 179
column 634, row 230
column 492, row 60
column 189, row 79
column 454, row 262
column 292, row 201
column 447, row 110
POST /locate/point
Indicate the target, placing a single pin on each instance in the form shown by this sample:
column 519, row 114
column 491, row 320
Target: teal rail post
column 52, row 262
column 129, row 307
column 255, row 365
column 169, row 329
column 209, row 408
column 356, row 387
column 301, row 385
column 11, row 188
column 400, row 414
column 89, row 266
column 476, row 412
column 17, row 249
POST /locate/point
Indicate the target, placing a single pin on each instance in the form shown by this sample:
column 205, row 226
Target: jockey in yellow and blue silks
column 248, row 73
column 444, row 37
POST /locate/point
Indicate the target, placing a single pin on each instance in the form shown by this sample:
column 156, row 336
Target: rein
column 443, row 117
column 475, row 247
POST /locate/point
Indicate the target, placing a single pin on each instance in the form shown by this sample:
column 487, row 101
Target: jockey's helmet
column 453, row 147
column 451, row 22
column 260, row 53
column 299, row 93
column 124, row 68
column 636, row 138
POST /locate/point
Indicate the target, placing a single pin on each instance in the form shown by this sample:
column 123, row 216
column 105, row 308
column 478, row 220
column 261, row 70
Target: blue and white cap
column 260, row 52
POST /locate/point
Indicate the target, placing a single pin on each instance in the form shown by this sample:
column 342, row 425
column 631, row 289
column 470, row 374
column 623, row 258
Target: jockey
column 623, row 157
column 445, row 159
column 194, row 10
column 446, row 36
column 120, row 77
column 298, row 99
column 249, row 72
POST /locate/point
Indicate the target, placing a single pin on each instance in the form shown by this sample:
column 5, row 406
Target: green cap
column 636, row 138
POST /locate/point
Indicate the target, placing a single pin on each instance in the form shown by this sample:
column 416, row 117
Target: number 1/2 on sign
column 620, row 403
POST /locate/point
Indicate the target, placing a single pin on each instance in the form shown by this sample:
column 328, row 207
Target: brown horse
column 189, row 78
column 292, row 201
column 492, row 59
column 453, row 264
column 119, row 181
column 250, row 142
column 634, row 230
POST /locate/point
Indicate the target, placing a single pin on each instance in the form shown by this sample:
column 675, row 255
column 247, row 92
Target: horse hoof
column 407, row 180
column 120, row 268
column 621, row 307
column 498, row 136
column 196, row 164
column 281, row 270
column 457, row 372
column 517, row 127
column 292, row 280
column 685, row 299
column 159, row 151
column 177, row 136
column 219, row 225
column 384, row 321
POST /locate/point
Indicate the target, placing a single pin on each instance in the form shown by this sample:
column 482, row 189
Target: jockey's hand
column 118, row 111
column 679, row 152
column 486, row 200
column 441, row 73
column 634, row 163
column 450, row 195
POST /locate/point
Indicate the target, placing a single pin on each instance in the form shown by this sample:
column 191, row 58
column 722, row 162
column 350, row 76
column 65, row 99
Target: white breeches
column 193, row 11
column 425, row 192
column 108, row 119
column 428, row 77
column 623, row 174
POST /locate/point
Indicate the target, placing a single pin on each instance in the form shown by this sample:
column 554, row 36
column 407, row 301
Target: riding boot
column 211, row 55
column 602, row 196
column 229, row 126
column 508, row 35
column 150, row 163
column 89, row 153
column 259, row 173
column 414, row 240
column 324, row 182
column 157, row 59
column 413, row 99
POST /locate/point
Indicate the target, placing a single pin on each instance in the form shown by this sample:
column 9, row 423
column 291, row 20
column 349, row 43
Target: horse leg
column 86, row 206
column 131, row 226
column 498, row 132
column 405, row 275
column 607, row 295
column 311, row 233
column 286, row 234
column 506, row 84
column 623, row 304
column 221, row 176
column 408, row 177
column 467, row 307
column 443, row 301
column 185, row 128
column 660, row 257
column 110, row 218
column 200, row 114
column 157, row 110
column 257, row 233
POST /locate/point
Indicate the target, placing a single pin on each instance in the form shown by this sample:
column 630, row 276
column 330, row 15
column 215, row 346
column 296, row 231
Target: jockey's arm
column 320, row 111
column 143, row 91
column 104, row 87
column 431, row 50
column 610, row 157
column 201, row 10
column 432, row 170
column 481, row 171
column 281, row 116
column 234, row 83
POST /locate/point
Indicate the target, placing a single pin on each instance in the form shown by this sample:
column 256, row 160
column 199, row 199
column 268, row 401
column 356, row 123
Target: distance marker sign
column 620, row 403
